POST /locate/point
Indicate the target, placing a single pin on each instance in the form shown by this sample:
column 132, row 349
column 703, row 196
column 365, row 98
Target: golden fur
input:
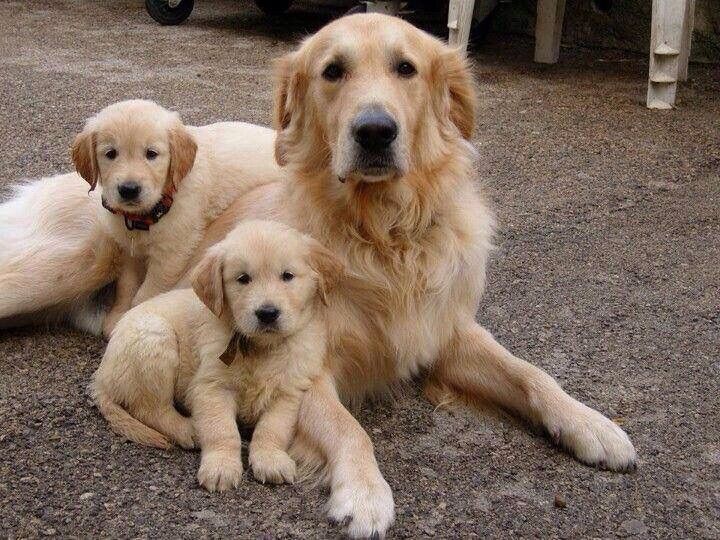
column 414, row 236
column 414, row 241
column 168, row 349
column 182, row 157
column 58, row 244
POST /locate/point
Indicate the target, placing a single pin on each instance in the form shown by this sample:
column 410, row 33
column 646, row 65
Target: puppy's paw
column 592, row 438
column 273, row 466
column 185, row 438
column 220, row 470
column 364, row 503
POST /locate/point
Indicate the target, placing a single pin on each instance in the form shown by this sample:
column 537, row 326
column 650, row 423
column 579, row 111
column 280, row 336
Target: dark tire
column 360, row 8
column 161, row 11
column 273, row 8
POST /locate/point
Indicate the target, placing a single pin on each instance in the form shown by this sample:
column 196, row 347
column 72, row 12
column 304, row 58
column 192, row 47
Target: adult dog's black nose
column 129, row 191
column 267, row 314
column 374, row 129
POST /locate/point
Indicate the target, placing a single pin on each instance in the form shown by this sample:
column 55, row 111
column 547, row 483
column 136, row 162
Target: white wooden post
column 669, row 50
column 460, row 17
column 548, row 30
column 688, row 26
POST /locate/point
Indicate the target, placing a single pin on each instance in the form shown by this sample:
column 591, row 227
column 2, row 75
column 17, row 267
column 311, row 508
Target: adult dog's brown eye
column 333, row 72
column 288, row 276
column 244, row 279
column 406, row 69
column 151, row 154
column 111, row 154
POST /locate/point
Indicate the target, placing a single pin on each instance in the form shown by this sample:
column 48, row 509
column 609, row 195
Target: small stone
column 664, row 186
column 377, row 431
column 49, row 531
column 87, row 495
column 632, row 527
column 560, row 501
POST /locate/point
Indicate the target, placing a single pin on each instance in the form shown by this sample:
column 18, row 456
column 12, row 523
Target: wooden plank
column 669, row 47
column 460, row 17
column 548, row 30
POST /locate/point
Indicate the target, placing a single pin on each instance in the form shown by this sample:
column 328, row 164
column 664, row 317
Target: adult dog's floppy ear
column 182, row 154
column 329, row 268
column 458, row 98
column 289, row 84
column 84, row 156
column 207, row 280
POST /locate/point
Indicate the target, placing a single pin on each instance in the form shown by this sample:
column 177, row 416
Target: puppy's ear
column 458, row 98
column 328, row 266
column 182, row 154
column 207, row 281
column 289, row 86
column 84, row 156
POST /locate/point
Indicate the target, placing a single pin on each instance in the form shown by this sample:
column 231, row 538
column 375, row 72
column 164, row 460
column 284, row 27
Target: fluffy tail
column 122, row 423
column 54, row 253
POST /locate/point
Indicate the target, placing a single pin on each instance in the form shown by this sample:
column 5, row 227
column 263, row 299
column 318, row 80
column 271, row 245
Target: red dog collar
column 142, row 222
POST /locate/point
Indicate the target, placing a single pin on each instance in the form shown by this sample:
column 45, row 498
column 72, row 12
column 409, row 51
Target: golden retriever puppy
column 161, row 183
column 246, row 343
column 374, row 119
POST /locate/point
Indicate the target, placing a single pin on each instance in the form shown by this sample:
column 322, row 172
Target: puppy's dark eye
column 406, row 69
column 244, row 279
column 333, row 72
column 111, row 154
column 151, row 154
column 288, row 276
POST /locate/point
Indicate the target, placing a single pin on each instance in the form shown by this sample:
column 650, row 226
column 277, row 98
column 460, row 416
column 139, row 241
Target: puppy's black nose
column 129, row 191
column 374, row 129
column 267, row 314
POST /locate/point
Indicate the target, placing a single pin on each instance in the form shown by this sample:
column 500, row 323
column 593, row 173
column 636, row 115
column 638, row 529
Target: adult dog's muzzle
column 374, row 132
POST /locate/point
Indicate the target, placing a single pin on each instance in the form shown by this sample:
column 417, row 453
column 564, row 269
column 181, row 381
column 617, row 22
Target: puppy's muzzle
column 267, row 316
column 129, row 191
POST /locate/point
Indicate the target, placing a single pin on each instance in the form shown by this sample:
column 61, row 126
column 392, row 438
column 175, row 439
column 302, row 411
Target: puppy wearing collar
column 162, row 183
column 244, row 343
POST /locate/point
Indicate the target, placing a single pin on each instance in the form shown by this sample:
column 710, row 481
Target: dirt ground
column 606, row 275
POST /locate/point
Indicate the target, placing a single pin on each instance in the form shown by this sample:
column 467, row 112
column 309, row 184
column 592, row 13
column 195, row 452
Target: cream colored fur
column 59, row 245
column 415, row 243
column 167, row 349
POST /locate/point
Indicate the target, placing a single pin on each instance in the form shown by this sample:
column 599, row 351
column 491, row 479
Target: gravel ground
column 606, row 275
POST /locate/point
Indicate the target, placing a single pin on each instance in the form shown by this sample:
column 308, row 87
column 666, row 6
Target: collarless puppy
column 161, row 183
column 246, row 342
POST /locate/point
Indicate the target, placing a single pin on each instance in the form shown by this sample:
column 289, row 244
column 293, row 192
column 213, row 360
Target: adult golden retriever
column 373, row 119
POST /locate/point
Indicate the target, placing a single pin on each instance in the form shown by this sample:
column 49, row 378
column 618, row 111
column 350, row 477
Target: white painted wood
column 688, row 27
column 671, row 32
column 548, row 30
column 460, row 17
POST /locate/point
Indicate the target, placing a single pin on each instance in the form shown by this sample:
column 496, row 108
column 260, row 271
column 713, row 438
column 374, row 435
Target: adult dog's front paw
column 592, row 438
column 273, row 466
column 364, row 502
column 220, row 470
